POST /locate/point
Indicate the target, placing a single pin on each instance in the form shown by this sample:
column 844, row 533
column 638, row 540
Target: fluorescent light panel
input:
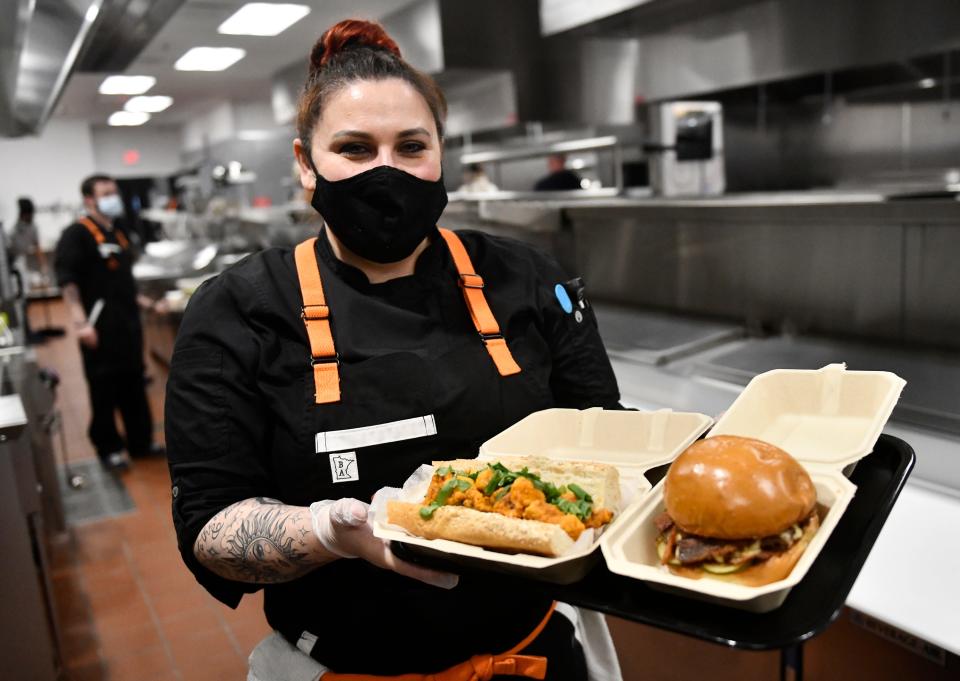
column 128, row 118
column 209, row 58
column 143, row 104
column 263, row 18
column 126, row 85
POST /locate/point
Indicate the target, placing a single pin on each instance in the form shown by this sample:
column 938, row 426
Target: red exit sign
column 131, row 157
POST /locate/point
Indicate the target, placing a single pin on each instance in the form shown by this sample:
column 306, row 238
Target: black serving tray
column 811, row 606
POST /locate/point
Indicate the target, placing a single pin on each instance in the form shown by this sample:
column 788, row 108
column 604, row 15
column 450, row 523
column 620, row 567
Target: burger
column 737, row 509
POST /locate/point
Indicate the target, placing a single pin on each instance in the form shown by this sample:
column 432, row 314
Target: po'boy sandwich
column 522, row 505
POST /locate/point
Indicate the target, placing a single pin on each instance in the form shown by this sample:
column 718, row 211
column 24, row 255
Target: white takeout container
column 632, row 441
column 826, row 419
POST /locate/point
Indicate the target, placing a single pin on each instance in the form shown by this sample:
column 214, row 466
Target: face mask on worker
column 110, row 205
column 381, row 214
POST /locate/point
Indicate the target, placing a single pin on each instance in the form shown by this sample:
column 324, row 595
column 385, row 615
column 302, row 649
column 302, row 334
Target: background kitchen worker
column 24, row 239
column 22, row 245
column 305, row 380
column 475, row 180
column 93, row 262
column 559, row 178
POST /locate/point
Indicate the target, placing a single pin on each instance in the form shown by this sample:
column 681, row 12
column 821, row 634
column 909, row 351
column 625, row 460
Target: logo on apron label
column 343, row 466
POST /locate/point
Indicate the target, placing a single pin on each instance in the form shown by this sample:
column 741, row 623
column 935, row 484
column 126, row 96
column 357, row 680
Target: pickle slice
column 722, row 568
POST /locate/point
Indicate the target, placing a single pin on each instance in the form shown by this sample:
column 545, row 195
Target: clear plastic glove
column 343, row 527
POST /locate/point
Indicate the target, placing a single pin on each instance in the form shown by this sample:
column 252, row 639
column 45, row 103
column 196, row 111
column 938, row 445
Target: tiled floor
column 128, row 608
column 130, row 611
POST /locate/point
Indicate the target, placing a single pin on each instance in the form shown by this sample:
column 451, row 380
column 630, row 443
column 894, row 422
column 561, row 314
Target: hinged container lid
column 829, row 417
column 626, row 439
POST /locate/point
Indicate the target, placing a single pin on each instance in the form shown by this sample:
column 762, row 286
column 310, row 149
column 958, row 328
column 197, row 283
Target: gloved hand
column 343, row 527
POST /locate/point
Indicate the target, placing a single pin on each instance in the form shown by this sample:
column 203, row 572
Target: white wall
column 48, row 169
column 158, row 148
column 216, row 125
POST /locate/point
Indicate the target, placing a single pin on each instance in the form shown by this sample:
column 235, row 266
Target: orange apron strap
column 93, row 228
column 97, row 233
column 472, row 285
column 316, row 317
column 477, row 668
column 536, row 632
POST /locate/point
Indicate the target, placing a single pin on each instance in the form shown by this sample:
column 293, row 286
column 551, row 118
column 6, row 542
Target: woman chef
column 305, row 380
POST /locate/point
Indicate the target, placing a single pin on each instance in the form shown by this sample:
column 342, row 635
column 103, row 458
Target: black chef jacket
column 241, row 422
column 80, row 260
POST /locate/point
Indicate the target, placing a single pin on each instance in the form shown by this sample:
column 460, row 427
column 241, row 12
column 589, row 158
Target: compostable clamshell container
column 826, row 419
column 632, row 441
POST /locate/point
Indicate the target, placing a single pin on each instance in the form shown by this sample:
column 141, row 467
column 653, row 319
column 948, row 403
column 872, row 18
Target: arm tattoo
column 261, row 541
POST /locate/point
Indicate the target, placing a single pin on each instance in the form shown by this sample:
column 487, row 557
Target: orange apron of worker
column 97, row 233
column 326, row 374
column 477, row 668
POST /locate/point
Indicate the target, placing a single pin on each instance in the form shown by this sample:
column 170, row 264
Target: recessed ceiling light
column 126, row 85
column 263, row 18
column 128, row 118
column 927, row 83
column 209, row 58
column 144, row 104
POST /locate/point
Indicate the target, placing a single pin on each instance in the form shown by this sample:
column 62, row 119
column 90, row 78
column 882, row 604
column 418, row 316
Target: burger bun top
column 730, row 487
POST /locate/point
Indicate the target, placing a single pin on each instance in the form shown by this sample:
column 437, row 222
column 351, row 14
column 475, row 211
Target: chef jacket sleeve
column 72, row 256
column 215, row 424
column 582, row 376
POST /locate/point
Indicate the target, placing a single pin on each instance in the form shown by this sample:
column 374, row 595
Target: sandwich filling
column 724, row 556
column 515, row 494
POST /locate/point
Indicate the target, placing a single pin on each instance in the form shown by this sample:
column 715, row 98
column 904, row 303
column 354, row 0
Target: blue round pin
column 564, row 298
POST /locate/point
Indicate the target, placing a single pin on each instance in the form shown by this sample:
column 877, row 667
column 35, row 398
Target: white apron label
column 107, row 250
column 343, row 466
column 382, row 433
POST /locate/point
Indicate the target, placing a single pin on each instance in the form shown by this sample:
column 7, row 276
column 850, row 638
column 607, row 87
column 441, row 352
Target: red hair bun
column 350, row 33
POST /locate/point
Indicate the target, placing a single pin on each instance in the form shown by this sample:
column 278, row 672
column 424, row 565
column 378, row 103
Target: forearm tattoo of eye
column 261, row 543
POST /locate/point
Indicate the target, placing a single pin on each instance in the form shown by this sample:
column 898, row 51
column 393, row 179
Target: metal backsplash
column 804, row 146
column 880, row 271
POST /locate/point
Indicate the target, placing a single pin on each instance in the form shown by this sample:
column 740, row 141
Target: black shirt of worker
column 562, row 180
column 80, row 260
column 241, row 422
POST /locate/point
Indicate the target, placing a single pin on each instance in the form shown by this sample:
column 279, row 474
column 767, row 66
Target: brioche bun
column 729, row 487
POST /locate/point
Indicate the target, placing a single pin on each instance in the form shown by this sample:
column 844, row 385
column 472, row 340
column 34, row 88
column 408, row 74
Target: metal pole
column 618, row 168
column 791, row 662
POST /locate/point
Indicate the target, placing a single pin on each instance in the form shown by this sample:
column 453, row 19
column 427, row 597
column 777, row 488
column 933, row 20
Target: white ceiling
column 195, row 24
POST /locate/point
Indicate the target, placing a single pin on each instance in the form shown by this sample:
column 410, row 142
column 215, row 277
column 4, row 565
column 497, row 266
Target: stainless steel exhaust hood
column 40, row 48
column 42, row 42
column 484, row 55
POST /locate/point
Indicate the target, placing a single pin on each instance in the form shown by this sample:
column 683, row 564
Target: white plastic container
column 826, row 419
column 632, row 441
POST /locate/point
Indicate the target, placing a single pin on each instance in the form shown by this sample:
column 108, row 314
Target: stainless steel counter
column 655, row 337
column 707, row 381
column 30, row 508
column 640, row 199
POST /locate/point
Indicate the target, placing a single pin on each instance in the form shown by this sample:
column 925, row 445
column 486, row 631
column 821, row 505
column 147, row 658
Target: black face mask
column 383, row 213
